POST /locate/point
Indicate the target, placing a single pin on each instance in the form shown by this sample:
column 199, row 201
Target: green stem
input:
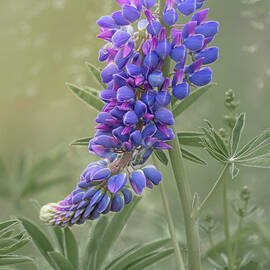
column 227, row 226
column 183, row 186
column 198, row 211
column 237, row 240
column 179, row 258
column 191, row 224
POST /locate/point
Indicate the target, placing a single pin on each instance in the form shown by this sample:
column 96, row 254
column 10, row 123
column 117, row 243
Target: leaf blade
column 93, row 101
column 161, row 157
column 192, row 157
column 113, row 231
column 71, row 247
column 237, row 132
column 96, row 74
column 39, row 239
column 61, row 262
column 194, row 96
column 14, row 259
column 139, row 253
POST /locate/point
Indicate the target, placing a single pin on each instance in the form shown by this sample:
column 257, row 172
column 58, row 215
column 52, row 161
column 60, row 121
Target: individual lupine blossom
column 101, row 190
column 135, row 120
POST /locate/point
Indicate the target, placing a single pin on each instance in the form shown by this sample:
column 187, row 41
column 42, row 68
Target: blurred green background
column 46, row 43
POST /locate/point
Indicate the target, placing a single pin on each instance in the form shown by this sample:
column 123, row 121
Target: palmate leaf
column 39, row 238
column 6, row 225
column 194, row 96
column 14, row 259
column 192, row 157
column 71, row 248
column 254, row 144
column 237, row 132
column 190, row 138
column 11, row 246
column 90, row 99
column 262, row 161
column 137, row 254
column 150, row 260
column 113, row 231
column 121, row 256
column 94, row 239
column 96, row 74
column 61, row 262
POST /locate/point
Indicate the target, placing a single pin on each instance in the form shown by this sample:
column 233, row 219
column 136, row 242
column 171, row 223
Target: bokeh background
column 46, row 43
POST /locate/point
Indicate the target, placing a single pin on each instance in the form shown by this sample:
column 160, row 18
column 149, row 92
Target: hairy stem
column 183, row 186
column 227, row 226
column 179, row 258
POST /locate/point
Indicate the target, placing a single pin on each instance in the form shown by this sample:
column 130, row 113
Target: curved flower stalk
column 135, row 120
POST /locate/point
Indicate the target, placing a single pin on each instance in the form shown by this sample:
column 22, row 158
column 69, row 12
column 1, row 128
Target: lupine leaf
column 138, row 253
column 14, row 259
column 190, row 138
column 61, row 262
column 161, row 157
column 121, row 256
column 90, row 99
column 59, row 237
column 216, row 155
column 257, row 162
column 192, row 157
column 6, row 225
column 255, row 143
column 212, row 140
column 188, row 101
column 96, row 74
column 71, row 247
column 14, row 246
column 93, row 91
column 39, row 239
column 82, row 141
column 256, row 152
column 7, row 234
column 94, row 239
column 150, row 260
column 38, row 187
column 237, row 132
column 219, row 141
column 113, row 231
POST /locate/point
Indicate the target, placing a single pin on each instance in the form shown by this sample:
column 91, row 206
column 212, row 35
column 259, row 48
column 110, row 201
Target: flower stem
column 191, row 224
column 179, row 258
column 227, row 226
column 183, row 186
column 198, row 211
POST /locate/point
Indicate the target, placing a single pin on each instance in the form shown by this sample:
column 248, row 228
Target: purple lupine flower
column 135, row 119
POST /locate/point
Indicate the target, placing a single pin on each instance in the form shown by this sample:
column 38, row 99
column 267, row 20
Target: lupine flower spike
column 135, row 121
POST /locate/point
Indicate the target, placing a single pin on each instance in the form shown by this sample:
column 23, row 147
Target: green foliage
column 28, row 179
column 96, row 74
column 92, row 100
column 71, row 247
column 255, row 153
column 10, row 242
column 181, row 106
column 112, row 232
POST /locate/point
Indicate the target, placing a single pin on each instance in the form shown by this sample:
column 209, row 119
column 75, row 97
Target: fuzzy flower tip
column 135, row 120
